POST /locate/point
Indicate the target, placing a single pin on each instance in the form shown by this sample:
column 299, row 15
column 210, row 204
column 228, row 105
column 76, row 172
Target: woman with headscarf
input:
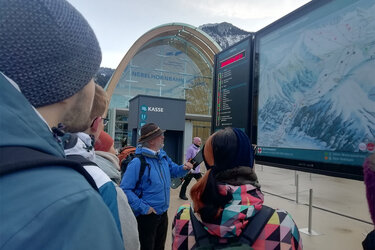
column 228, row 201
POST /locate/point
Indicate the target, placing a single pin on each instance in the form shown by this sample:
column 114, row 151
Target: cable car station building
column 174, row 61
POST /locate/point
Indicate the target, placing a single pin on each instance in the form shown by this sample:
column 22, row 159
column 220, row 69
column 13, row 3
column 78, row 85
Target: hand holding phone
column 197, row 159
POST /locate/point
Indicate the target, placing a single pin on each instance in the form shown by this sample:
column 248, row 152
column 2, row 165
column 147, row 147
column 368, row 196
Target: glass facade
column 167, row 67
column 121, row 130
column 176, row 64
column 201, row 129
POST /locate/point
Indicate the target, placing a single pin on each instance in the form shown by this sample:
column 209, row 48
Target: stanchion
column 297, row 188
column 308, row 230
column 310, row 210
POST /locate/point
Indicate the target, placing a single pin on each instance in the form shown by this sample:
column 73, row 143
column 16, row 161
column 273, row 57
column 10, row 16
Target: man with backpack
column 146, row 182
column 48, row 57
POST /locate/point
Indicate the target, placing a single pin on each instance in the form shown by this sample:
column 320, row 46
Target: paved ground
column 340, row 214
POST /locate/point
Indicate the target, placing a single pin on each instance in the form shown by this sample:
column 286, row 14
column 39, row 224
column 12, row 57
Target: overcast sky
column 119, row 23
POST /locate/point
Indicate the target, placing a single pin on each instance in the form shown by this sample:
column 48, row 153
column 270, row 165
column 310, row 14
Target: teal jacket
column 155, row 182
column 49, row 207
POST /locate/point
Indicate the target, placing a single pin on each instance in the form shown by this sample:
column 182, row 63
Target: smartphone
column 197, row 159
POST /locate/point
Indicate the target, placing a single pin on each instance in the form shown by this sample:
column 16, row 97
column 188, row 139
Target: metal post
column 308, row 230
column 261, row 167
column 310, row 211
column 297, row 188
column 295, row 178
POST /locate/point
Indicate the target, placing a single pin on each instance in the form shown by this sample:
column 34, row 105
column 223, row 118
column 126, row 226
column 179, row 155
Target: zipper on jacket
column 162, row 178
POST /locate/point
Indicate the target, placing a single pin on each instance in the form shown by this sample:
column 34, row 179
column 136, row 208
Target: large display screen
column 316, row 87
column 232, row 86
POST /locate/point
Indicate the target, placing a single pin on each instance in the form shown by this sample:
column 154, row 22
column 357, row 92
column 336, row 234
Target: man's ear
column 95, row 124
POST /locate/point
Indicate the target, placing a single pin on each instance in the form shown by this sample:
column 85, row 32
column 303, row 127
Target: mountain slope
column 103, row 75
column 225, row 34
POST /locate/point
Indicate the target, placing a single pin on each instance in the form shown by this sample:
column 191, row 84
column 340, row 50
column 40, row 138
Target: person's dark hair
column 229, row 158
column 224, row 147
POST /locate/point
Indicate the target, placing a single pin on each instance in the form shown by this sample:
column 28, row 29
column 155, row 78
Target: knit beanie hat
column 104, row 142
column 47, row 48
column 150, row 131
column 244, row 155
column 245, row 152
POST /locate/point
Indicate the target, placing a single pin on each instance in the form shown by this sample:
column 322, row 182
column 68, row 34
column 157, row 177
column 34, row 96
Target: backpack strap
column 82, row 160
column 142, row 169
column 31, row 158
column 256, row 225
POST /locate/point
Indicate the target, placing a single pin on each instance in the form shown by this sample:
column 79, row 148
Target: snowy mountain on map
column 318, row 95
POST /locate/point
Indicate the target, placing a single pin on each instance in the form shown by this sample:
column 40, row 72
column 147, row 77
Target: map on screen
column 317, row 82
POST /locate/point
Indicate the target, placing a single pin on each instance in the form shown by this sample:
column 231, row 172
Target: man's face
column 101, row 124
column 197, row 141
column 77, row 119
column 158, row 142
column 97, row 126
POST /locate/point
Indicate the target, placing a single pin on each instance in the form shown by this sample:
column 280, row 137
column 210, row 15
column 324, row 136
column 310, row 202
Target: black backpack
column 144, row 164
column 206, row 241
column 18, row 158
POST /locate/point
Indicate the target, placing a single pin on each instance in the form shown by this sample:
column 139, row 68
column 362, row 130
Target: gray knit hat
column 47, row 48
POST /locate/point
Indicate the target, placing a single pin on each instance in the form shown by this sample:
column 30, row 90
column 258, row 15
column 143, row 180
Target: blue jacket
column 49, row 207
column 155, row 182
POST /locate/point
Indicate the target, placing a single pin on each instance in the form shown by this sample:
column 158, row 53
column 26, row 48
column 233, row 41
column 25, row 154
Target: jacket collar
column 82, row 147
column 247, row 201
column 23, row 126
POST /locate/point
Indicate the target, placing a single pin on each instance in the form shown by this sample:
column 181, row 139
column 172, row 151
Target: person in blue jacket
column 149, row 199
column 48, row 57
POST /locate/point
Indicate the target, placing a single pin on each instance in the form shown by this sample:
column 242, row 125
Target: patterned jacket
column 280, row 231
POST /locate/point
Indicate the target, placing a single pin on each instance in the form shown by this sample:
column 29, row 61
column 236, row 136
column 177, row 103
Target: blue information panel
column 315, row 87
